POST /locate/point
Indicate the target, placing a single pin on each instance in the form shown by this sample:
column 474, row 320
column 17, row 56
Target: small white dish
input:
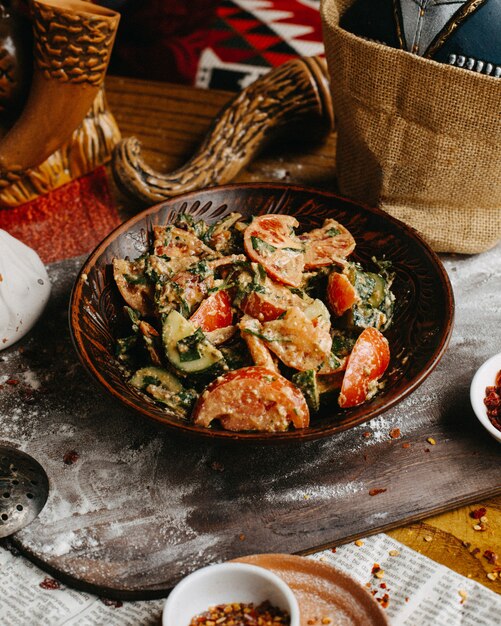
column 225, row 583
column 485, row 377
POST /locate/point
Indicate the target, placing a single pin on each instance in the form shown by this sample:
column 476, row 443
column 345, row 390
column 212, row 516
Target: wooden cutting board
column 133, row 508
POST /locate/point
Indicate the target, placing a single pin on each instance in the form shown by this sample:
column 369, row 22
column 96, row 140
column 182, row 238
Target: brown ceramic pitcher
column 64, row 129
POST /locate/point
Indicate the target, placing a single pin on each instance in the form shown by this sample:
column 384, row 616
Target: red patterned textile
column 251, row 36
column 68, row 222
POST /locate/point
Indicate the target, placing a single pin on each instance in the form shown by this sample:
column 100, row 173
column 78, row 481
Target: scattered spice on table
column 395, row 433
column 114, row 603
column 491, row 556
column 239, row 614
column 71, row 457
column 376, row 492
column 50, row 583
column 463, row 595
column 406, row 445
column 431, row 441
column 428, row 538
column 478, row 513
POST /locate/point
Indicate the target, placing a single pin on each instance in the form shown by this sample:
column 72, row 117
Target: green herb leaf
column 262, row 246
column 188, row 347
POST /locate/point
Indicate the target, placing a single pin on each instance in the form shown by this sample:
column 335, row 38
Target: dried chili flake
column 239, row 614
column 114, row 603
column 12, row 381
column 376, row 492
column 71, row 457
column 395, row 433
column 217, row 466
column 333, row 550
column 478, row 513
column 491, row 556
column 375, row 568
column 492, row 576
column 241, row 537
column 406, row 445
column 384, row 601
column 492, row 401
column 50, row 583
column 382, row 585
column 367, row 434
column 475, row 551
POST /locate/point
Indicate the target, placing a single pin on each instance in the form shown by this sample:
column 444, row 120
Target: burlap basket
column 419, row 139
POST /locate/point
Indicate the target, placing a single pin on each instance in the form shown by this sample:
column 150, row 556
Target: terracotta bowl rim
column 262, row 437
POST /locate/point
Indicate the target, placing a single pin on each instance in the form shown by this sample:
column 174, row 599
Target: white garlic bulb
column 24, row 289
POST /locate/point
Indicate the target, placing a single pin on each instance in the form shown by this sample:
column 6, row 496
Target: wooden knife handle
column 297, row 91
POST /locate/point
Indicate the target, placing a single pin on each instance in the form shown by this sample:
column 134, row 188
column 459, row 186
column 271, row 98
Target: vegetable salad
column 250, row 325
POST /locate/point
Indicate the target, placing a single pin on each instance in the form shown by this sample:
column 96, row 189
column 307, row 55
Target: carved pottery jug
column 64, row 129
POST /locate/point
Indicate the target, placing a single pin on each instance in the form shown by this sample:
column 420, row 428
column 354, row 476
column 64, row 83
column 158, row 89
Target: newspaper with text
column 415, row 591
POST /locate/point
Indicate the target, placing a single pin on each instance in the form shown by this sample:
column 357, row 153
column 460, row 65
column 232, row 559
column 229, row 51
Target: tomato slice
column 366, row 364
column 270, row 240
column 252, row 398
column 327, row 245
column 341, row 294
column 214, row 312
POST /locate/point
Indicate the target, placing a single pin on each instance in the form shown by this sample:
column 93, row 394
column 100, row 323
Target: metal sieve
column 24, row 488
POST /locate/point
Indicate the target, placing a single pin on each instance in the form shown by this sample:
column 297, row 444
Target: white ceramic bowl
column 224, row 583
column 485, row 377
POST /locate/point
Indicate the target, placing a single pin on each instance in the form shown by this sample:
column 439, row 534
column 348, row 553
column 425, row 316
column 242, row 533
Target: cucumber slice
column 187, row 348
column 307, row 383
column 155, row 376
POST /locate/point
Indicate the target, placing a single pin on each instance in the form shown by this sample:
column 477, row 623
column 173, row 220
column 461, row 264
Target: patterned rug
column 249, row 37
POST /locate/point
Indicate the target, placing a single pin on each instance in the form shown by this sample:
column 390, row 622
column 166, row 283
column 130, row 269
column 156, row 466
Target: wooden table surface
column 171, row 121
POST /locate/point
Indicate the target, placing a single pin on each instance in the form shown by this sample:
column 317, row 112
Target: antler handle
column 296, row 91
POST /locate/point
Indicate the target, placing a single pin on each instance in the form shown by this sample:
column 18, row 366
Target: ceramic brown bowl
column 418, row 336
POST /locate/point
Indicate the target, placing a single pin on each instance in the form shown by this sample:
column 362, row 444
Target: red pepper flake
column 406, row 445
column 333, row 550
column 50, row 583
column 238, row 613
column 407, row 599
column 491, row 557
column 376, row 492
column 241, row 537
column 375, row 568
column 384, row 601
column 114, row 603
column 217, row 466
column 478, row 513
column 475, row 551
column 12, row 381
column 374, row 592
column 395, row 433
column 367, row 434
column 383, row 585
column 71, row 457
